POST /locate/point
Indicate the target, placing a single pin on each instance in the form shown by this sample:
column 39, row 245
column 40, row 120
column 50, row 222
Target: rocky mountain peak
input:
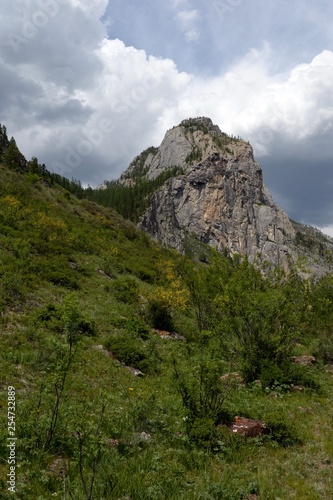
column 215, row 195
column 184, row 145
column 220, row 201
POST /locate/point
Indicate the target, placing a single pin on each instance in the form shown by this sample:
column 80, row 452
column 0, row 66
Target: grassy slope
column 52, row 247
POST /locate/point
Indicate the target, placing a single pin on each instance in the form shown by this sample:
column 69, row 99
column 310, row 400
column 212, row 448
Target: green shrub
column 62, row 278
column 21, row 249
column 131, row 351
column 325, row 349
column 56, row 271
column 203, row 397
column 87, row 328
column 53, row 316
column 281, row 429
column 202, row 432
column 12, row 290
column 259, row 319
column 127, row 350
column 282, row 377
column 138, row 328
column 32, row 178
column 135, row 326
column 145, row 274
column 125, row 289
column 159, row 315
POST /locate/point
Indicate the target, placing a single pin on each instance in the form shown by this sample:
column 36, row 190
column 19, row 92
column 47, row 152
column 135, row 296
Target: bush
column 281, row 430
column 145, row 274
column 138, row 328
column 57, row 272
column 12, row 290
column 126, row 350
column 87, row 328
column 325, row 349
column 129, row 350
column 53, row 316
column 62, row 278
column 159, row 315
column 285, row 375
column 32, row 178
column 259, row 320
column 202, row 432
column 203, row 397
column 125, row 289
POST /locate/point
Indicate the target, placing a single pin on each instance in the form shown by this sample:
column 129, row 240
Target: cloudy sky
column 86, row 85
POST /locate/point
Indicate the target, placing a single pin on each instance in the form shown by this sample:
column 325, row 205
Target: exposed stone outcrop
column 304, row 360
column 168, row 335
column 223, row 202
column 183, row 146
column 247, row 427
column 217, row 196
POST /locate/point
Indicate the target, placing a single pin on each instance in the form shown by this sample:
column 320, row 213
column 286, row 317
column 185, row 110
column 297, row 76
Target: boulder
column 233, row 377
column 297, row 388
column 214, row 193
column 247, row 427
column 145, row 436
column 304, row 360
column 168, row 335
column 113, row 443
column 135, row 371
column 58, row 468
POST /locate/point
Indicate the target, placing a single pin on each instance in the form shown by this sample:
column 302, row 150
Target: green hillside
column 114, row 348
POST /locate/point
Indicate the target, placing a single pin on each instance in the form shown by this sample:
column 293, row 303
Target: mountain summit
column 199, row 187
column 215, row 195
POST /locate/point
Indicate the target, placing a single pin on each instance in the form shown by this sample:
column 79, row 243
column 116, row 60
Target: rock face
column 217, row 196
column 221, row 200
column 182, row 146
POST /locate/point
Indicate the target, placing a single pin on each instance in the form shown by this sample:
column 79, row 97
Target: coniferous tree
column 3, row 139
column 33, row 166
column 12, row 156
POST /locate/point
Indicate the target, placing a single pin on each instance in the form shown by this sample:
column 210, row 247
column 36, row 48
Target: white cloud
column 91, row 7
column 179, row 3
column 263, row 107
column 74, row 97
column 327, row 230
column 298, row 108
column 107, row 79
column 187, row 18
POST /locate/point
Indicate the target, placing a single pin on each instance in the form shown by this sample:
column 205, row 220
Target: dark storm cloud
column 72, row 111
column 301, row 187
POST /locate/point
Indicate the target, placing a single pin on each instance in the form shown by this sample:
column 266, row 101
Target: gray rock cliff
column 219, row 198
column 223, row 202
